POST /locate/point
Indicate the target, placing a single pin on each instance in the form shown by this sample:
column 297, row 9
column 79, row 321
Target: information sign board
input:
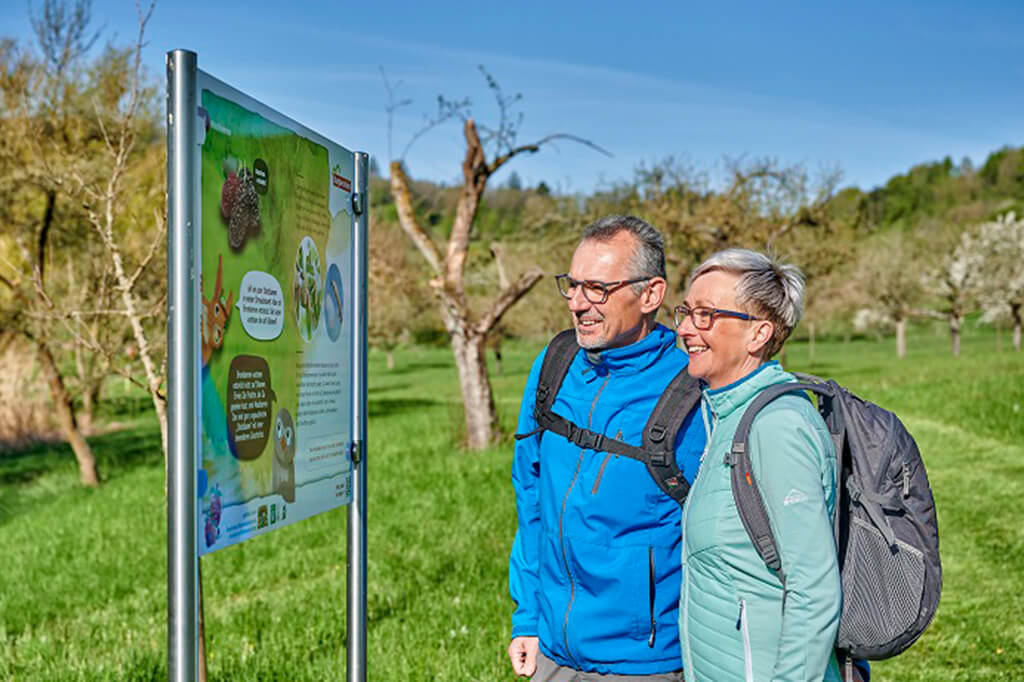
column 275, row 331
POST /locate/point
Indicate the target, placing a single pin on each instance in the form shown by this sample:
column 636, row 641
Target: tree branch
column 535, row 147
column 507, row 298
column 407, row 217
column 44, row 234
column 161, row 228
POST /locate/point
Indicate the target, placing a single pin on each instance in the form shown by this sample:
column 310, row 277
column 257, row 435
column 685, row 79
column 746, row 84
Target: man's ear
column 763, row 332
column 653, row 295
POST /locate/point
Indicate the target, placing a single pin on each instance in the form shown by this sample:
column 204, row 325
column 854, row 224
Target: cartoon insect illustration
column 284, row 455
column 212, row 526
column 214, row 316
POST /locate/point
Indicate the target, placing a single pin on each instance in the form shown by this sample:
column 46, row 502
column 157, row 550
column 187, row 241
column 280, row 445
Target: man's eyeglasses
column 703, row 317
column 593, row 290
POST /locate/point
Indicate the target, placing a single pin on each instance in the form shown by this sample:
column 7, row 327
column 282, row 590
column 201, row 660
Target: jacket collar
column 634, row 358
column 726, row 399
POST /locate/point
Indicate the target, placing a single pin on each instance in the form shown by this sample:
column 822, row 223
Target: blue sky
column 870, row 87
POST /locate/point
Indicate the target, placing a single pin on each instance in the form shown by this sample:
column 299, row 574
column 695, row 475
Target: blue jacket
column 595, row 568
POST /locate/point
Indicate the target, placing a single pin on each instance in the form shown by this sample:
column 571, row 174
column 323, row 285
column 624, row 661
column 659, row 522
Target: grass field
column 83, row 585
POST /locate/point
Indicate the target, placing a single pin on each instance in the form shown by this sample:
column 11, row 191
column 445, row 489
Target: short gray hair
column 648, row 259
column 769, row 288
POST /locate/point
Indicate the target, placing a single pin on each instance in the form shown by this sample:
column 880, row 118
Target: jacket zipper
column 741, row 625
column 561, row 532
column 651, row 591
column 708, row 431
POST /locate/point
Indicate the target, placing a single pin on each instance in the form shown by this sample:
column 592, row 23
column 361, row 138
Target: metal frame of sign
column 184, row 365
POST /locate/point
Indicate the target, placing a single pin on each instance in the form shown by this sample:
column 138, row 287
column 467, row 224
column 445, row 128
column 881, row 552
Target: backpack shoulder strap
column 557, row 359
column 749, row 502
column 553, row 368
column 659, row 439
column 657, row 452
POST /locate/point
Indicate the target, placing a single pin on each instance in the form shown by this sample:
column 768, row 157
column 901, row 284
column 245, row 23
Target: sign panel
column 276, row 257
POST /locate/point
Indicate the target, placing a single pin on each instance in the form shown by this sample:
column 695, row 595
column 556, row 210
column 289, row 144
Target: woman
column 737, row 622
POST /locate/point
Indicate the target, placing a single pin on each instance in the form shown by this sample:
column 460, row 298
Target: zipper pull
column 654, row 629
column 906, row 479
column 739, row 620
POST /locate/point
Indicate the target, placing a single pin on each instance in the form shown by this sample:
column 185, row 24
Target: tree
column 468, row 326
column 41, row 224
column 120, row 187
column 81, row 164
column 1002, row 293
column 887, row 274
column 956, row 278
column 396, row 296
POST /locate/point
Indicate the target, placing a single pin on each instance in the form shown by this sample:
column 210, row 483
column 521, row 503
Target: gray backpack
column 886, row 531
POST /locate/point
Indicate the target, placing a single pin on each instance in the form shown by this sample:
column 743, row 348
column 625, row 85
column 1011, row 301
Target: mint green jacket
column 736, row 622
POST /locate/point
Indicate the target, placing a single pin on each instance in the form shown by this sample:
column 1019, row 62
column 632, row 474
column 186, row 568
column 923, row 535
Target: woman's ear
column 762, row 333
column 653, row 295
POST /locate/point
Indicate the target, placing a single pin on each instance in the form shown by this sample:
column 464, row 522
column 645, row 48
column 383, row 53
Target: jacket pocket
column 652, row 577
column 742, row 626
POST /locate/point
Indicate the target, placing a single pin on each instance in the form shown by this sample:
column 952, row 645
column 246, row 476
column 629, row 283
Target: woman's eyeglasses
column 703, row 317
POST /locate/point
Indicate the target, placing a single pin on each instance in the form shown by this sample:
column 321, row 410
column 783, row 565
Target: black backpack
column 886, row 531
column 658, row 449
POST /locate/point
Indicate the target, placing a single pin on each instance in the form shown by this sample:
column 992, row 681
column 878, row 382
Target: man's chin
column 590, row 341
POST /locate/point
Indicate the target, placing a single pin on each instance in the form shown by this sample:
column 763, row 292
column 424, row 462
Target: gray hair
column 769, row 288
column 648, row 259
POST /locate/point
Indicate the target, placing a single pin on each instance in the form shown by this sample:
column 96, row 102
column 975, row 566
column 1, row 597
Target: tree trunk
column 87, row 472
column 477, row 398
column 954, row 333
column 810, row 343
column 901, row 337
column 90, row 399
column 1015, row 311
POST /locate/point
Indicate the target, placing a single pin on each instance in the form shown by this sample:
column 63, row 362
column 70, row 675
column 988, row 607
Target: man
column 595, row 567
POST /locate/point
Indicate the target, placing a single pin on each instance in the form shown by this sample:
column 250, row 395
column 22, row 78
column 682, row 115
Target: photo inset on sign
column 333, row 307
column 307, row 288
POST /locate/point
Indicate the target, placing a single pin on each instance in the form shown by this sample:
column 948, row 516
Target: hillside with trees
column 82, row 234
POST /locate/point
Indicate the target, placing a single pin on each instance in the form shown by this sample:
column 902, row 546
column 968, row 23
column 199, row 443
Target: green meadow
column 83, row 582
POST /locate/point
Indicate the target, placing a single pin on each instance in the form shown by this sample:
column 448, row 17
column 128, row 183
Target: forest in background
column 82, row 235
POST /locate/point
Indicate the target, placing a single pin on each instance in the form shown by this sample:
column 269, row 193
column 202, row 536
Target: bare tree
column 396, row 297
column 487, row 150
column 116, row 205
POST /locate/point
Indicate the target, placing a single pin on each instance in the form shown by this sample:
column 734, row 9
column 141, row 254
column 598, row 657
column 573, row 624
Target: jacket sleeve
column 794, row 462
column 523, row 568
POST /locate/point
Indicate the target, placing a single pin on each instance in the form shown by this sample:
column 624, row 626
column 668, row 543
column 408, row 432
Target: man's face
column 620, row 320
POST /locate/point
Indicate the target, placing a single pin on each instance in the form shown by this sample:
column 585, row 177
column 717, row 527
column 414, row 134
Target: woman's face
column 728, row 351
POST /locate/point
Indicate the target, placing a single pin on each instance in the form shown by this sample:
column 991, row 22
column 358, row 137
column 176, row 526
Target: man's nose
column 577, row 301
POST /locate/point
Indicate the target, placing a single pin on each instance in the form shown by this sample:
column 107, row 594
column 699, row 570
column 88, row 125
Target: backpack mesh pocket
column 882, row 588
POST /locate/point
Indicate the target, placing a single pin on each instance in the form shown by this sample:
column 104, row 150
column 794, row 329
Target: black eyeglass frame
column 681, row 312
column 607, row 288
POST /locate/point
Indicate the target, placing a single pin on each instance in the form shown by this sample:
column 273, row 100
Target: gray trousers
column 549, row 671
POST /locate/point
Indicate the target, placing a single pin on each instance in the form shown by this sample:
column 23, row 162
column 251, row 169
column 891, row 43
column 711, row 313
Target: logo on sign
column 339, row 180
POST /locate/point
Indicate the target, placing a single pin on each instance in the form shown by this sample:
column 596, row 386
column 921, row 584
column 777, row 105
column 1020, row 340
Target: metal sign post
column 182, row 353
column 356, row 592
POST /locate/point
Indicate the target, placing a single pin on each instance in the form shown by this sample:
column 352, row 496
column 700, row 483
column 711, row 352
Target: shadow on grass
column 116, row 453
column 124, row 407
column 385, row 407
column 388, row 387
column 410, row 366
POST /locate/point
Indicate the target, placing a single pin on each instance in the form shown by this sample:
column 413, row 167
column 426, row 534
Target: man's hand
column 523, row 654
